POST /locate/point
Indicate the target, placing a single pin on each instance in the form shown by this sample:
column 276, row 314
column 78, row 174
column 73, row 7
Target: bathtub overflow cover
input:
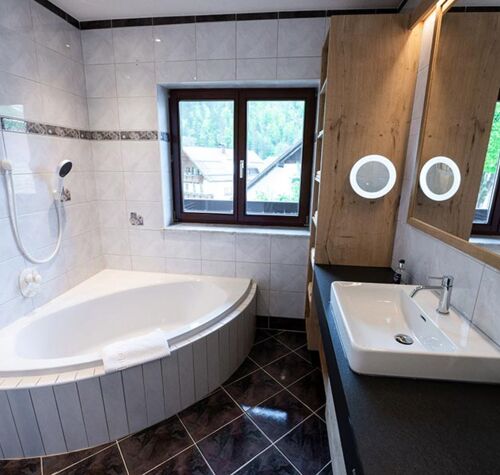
column 404, row 339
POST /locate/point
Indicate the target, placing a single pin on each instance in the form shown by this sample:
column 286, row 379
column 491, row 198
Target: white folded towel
column 134, row 351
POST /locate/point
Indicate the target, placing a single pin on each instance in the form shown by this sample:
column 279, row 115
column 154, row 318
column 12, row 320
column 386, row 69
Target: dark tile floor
column 268, row 418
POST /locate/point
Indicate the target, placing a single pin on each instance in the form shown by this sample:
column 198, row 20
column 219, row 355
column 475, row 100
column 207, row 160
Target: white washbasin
column 369, row 316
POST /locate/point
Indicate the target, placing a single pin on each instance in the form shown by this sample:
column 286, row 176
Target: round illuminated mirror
column 440, row 178
column 373, row 176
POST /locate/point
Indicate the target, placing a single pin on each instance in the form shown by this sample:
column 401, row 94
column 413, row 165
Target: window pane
column 490, row 173
column 275, row 130
column 207, row 147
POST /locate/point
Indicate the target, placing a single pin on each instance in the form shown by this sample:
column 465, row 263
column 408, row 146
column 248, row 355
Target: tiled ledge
column 230, row 229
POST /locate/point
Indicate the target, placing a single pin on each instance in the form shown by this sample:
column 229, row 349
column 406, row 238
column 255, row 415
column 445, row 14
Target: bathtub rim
column 42, row 377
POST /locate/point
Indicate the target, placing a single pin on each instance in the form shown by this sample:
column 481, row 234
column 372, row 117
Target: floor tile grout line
column 251, row 460
column 196, row 445
column 272, row 443
column 239, row 379
column 122, row 457
column 224, row 425
column 324, row 466
column 168, row 459
column 79, row 461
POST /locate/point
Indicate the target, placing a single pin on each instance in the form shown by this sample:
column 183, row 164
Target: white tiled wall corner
column 475, row 283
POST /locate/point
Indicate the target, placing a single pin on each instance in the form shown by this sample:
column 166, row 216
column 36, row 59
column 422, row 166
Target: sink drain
column 404, row 339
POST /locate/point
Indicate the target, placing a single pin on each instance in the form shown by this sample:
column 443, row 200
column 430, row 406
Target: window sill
column 222, row 228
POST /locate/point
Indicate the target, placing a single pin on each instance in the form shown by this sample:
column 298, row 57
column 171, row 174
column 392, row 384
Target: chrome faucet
column 446, row 287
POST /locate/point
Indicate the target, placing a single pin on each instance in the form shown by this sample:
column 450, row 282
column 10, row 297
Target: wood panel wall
column 464, row 91
column 372, row 70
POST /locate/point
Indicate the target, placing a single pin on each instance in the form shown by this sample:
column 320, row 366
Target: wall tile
column 218, row 246
column 115, row 241
column 103, row 114
column 20, row 98
column 289, row 250
column 301, row 37
column 151, row 212
column 100, row 80
column 112, row 214
column 140, row 156
column 183, row 266
column 175, row 42
column 260, row 273
column 140, row 186
column 216, row 40
column 17, row 54
column 16, row 15
column 253, row 248
column 285, row 277
column 257, row 39
column 137, row 113
column 258, row 69
column 287, row 304
column 148, row 264
column 97, row 46
column 145, row 242
column 299, row 68
column 110, row 186
column 218, row 268
column 175, row 71
column 486, row 315
column 216, row 70
column 135, row 79
column 133, row 44
column 182, row 244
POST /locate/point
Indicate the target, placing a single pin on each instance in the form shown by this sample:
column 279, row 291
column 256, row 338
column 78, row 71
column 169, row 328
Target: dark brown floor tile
column 209, row 414
column 247, row 367
column 261, row 335
column 107, row 462
column 327, row 470
column 279, row 414
column 154, row 445
column 310, row 390
column 233, row 445
column 311, row 356
column 289, row 368
column 189, row 462
column 307, row 446
column 267, row 351
column 270, row 462
column 20, row 467
column 293, row 340
column 253, row 389
column 321, row 412
column 55, row 463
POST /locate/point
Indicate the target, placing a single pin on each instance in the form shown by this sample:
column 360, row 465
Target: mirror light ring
column 456, row 178
column 371, row 195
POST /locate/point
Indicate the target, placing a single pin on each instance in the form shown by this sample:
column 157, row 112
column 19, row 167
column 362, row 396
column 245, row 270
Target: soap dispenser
column 400, row 274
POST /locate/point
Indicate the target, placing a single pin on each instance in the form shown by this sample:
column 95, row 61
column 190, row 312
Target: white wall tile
column 103, row 114
column 289, row 250
column 175, row 42
column 257, row 39
column 110, row 186
column 20, row 98
column 97, row 46
column 137, row 113
column 218, row 268
column 141, row 156
column 183, row 266
column 285, row 277
column 118, row 262
column 133, row 44
column 106, row 156
column 17, row 54
column 135, row 79
column 260, row 273
column 16, row 15
column 287, row 304
column 216, row 70
column 100, row 80
column 175, row 71
column 253, row 248
column 301, row 37
column 148, row 264
column 145, row 242
column 258, row 69
column 182, row 244
column 115, row 241
column 140, row 186
column 299, row 68
column 151, row 212
column 218, row 246
column 112, row 214
column 216, row 40
column 486, row 313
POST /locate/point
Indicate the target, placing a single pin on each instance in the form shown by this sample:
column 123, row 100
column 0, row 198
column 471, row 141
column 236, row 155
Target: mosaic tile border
column 21, row 126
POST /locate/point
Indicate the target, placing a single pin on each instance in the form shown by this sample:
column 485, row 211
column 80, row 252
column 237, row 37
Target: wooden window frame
column 240, row 98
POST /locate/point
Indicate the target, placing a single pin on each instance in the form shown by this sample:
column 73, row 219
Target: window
column 242, row 156
column 487, row 215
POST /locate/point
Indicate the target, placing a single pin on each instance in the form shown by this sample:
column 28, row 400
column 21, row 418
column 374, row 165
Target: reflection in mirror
column 440, row 178
column 373, row 176
column 462, row 121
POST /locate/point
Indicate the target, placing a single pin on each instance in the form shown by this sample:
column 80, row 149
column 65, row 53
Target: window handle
column 242, row 168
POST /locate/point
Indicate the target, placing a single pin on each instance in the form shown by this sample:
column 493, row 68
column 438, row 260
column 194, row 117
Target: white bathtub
column 68, row 333
column 54, row 394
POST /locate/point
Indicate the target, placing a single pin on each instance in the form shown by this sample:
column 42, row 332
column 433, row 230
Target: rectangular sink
column 386, row 332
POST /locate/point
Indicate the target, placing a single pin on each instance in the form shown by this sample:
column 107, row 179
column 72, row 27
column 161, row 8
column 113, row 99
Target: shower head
column 64, row 168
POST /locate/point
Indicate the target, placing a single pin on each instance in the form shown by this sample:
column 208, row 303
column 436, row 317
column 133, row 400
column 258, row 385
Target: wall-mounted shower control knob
column 29, row 282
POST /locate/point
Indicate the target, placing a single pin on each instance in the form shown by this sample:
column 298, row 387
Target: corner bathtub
column 54, row 394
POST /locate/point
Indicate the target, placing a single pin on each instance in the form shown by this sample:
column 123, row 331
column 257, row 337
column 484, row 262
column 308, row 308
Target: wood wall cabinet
column 368, row 75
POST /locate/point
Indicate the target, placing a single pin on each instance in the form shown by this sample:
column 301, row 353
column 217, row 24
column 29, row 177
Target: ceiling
column 110, row 9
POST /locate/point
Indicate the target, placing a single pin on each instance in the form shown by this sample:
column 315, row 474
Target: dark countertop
column 405, row 426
